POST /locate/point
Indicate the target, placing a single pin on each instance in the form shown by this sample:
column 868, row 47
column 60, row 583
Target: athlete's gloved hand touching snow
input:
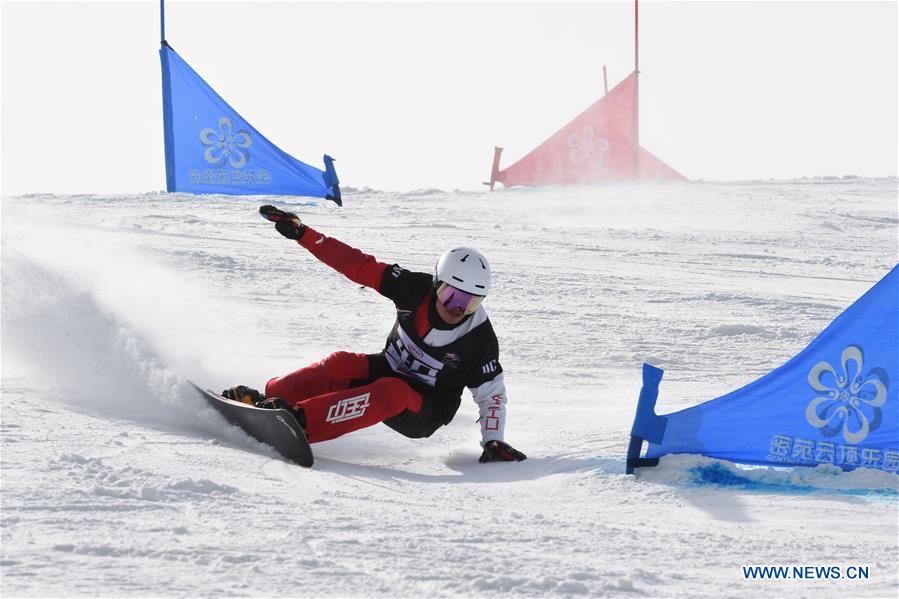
column 497, row 451
column 288, row 224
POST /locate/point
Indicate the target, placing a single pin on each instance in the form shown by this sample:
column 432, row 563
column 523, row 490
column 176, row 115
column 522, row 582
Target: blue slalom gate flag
column 836, row 402
column 210, row 148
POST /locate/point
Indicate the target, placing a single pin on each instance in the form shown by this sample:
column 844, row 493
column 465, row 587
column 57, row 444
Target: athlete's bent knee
column 401, row 395
column 346, row 365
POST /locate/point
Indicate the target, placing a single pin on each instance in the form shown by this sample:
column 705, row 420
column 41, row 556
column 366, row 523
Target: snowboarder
column 441, row 342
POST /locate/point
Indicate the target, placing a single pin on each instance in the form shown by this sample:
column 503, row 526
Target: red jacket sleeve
column 350, row 262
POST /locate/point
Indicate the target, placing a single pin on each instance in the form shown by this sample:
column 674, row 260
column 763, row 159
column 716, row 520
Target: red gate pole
column 636, row 90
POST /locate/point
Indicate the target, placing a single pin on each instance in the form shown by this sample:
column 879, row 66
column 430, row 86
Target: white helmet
column 464, row 268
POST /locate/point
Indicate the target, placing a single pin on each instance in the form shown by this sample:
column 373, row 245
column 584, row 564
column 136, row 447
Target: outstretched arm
column 355, row 265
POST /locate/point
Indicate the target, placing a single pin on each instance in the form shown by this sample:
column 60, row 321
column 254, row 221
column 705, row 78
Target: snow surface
column 117, row 480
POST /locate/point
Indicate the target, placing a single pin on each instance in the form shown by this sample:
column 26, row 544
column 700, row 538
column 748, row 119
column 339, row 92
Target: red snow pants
column 337, row 397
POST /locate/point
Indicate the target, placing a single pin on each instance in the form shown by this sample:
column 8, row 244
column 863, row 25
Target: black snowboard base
column 277, row 428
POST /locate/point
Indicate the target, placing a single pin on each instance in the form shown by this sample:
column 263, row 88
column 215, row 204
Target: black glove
column 287, row 224
column 497, row 451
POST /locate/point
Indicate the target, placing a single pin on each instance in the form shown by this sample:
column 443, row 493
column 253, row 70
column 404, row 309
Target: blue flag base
column 648, row 426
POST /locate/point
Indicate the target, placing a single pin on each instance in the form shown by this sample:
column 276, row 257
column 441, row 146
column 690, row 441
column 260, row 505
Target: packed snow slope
column 117, row 480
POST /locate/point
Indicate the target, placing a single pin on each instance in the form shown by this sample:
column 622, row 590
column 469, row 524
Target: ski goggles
column 455, row 299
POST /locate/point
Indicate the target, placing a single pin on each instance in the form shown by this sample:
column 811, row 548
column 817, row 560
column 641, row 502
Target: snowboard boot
column 276, row 403
column 243, row 395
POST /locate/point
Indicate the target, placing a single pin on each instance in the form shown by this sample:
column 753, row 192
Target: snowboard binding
column 243, row 394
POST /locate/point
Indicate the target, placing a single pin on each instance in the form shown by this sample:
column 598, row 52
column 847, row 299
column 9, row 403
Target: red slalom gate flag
column 598, row 145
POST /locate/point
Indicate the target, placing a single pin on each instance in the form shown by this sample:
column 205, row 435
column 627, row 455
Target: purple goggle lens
column 453, row 299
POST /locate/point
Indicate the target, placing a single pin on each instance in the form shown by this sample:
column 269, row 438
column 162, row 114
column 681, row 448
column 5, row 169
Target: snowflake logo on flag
column 586, row 147
column 848, row 402
column 226, row 144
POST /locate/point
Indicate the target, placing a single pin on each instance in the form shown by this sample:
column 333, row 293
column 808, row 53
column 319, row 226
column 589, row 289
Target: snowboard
column 277, row 428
